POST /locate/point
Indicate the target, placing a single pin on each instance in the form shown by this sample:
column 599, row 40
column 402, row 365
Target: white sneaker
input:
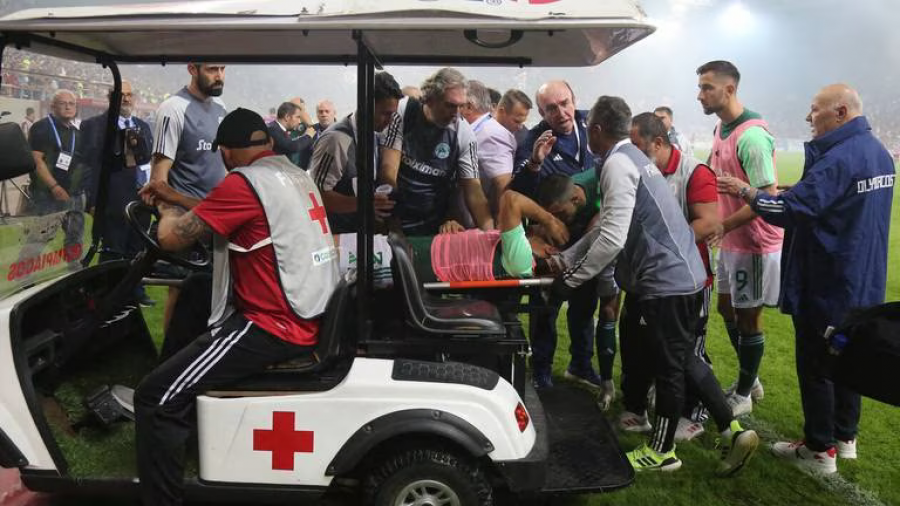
column 633, row 422
column 806, row 459
column 607, row 395
column 124, row 396
column 739, row 404
column 757, row 393
column 846, row 449
column 687, row 430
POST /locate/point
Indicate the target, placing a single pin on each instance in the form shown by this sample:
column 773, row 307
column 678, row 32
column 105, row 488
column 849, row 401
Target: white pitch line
column 834, row 482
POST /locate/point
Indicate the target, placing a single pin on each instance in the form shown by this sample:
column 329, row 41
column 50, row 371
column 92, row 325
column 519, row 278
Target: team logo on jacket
column 442, row 151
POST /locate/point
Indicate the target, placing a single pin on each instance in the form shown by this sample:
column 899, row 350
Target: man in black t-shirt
column 428, row 152
column 59, row 180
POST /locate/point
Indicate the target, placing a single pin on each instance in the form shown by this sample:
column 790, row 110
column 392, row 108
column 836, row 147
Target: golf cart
column 411, row 397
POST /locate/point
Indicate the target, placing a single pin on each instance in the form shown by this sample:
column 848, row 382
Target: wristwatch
column 743, row 192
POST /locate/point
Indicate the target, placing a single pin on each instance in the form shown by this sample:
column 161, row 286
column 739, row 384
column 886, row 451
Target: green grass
column 873, row 479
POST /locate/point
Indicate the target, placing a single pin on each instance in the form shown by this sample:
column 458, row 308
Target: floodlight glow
column 737, row 19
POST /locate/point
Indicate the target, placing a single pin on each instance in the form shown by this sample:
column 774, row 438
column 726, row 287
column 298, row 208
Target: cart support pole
column 106, row 162
column 365, row 149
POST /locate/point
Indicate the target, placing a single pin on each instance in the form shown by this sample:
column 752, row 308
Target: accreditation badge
column 63, row 161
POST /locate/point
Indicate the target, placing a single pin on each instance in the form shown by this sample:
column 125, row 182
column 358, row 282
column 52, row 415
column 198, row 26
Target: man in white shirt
column 496, row 147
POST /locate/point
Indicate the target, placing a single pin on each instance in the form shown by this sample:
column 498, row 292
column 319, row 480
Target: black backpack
column 867, row 349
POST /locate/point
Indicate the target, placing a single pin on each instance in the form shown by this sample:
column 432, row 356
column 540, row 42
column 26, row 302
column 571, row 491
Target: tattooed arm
column 178, row 228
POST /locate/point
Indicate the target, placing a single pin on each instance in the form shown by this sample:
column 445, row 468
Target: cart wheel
column 428, row 477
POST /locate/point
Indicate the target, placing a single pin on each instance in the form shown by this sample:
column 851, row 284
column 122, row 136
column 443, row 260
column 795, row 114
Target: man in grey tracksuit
column 641, row 228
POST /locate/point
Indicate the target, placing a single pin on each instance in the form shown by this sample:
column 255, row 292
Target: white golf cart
column 394, row 406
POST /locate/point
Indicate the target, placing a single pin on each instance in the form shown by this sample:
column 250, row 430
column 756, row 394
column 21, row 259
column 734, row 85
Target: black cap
column 237, row 128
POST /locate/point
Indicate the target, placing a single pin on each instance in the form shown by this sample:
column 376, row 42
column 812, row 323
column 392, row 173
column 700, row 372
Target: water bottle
column 836, row 342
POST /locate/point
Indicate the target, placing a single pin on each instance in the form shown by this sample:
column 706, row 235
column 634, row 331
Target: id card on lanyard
column 64, row 160
column 480, row 123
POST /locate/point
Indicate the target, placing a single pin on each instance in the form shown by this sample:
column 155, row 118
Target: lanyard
column 480, row 124
column 577, row 144
column 56, row 134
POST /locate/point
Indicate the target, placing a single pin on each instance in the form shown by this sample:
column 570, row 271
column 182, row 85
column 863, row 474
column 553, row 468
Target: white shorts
column 752, row 280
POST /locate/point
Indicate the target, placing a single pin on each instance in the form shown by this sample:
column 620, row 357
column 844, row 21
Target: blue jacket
column 836, row 219
column 557, row 162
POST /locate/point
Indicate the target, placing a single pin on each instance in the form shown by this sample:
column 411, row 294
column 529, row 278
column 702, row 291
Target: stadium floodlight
column 737, row 19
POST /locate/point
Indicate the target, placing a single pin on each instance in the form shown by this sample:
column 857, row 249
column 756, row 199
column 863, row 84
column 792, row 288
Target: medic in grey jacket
column 641, row 225
column 836, row 219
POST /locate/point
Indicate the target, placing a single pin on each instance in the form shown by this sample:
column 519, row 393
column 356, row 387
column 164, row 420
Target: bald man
column 836, row 221
column 559, row 145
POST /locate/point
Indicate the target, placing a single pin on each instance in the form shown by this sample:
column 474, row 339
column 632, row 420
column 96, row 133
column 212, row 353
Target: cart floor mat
column 585, row 455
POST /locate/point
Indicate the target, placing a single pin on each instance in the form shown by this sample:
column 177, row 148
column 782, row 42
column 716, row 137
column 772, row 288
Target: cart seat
column 320, row 370
column 433, row 315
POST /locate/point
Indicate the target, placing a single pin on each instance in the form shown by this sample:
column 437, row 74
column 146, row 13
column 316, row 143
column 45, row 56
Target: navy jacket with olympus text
column 836, row 219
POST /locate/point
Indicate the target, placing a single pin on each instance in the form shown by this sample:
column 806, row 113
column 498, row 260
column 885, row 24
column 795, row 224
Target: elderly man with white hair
column 60, row 180
column 836, row 220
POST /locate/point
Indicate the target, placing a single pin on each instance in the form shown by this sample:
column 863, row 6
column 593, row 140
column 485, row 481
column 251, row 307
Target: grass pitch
column 874, row 479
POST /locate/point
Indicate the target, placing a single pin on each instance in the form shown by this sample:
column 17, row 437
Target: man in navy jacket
column 559, row 145
column 836, row 220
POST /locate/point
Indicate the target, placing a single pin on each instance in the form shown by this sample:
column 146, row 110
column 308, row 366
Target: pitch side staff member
column 837, row 220
column 269, row 295
column 659, row 266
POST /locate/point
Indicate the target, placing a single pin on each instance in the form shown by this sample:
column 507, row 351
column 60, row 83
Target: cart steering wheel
column 136, row 212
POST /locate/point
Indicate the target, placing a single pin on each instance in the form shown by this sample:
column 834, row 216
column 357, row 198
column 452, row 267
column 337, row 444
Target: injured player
column 476, row 255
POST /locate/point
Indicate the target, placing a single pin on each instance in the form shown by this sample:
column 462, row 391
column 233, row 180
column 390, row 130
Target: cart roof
column 554, row 33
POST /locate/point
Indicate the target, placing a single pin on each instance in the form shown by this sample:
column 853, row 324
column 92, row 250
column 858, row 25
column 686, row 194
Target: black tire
column 436, row 471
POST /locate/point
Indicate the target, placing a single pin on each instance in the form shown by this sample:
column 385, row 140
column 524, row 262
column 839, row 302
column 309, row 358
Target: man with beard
column 326, row 114
column 749, row 261
column 183, row 159
column 131, row 150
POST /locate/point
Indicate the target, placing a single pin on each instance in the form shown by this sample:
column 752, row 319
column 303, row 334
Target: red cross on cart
column 317, row 213
column 283, row 440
